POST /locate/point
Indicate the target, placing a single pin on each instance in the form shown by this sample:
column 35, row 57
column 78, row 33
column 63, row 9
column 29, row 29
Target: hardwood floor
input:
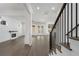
column 16, row 47
column 23, row 51
column 40, row 45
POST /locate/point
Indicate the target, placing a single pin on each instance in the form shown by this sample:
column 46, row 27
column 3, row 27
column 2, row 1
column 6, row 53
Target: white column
column 28, row 29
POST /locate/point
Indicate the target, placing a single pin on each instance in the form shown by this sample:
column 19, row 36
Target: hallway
column 39, row 29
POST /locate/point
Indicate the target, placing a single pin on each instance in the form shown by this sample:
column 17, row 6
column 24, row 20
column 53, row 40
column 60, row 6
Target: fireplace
column 13, row 35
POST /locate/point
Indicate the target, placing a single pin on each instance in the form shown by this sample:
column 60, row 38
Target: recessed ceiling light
column 38, row 8
column 53, row 8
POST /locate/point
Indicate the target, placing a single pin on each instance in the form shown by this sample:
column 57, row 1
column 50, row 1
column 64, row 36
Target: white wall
column 16, row 10
column 23, row 28
column 11, row 24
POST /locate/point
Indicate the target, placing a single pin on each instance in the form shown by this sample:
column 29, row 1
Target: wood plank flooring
column 40, row 45
column 16, row 47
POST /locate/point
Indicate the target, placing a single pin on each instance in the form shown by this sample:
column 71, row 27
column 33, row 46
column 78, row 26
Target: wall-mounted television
column 3, row 22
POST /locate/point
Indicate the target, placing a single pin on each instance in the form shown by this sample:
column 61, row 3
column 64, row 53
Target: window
column 33, row 28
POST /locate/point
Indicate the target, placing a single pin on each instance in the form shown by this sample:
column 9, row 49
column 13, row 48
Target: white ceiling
column 45, row 13
column 16, row 11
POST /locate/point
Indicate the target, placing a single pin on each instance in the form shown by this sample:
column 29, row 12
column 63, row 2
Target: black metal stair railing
column 52, row 31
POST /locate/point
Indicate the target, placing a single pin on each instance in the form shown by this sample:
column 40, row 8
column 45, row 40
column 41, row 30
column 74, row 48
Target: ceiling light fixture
column 53, row 8
column 38, row 8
